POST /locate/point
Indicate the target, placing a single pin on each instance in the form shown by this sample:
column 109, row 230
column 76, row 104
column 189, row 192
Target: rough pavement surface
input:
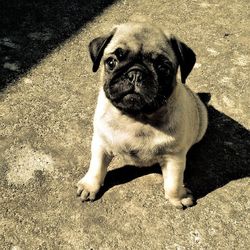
column 48, row 94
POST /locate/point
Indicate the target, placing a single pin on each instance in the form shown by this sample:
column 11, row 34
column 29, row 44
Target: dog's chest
column 139, row 144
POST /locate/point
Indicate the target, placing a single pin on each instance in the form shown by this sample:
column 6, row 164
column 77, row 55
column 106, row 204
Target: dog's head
column 140, row 64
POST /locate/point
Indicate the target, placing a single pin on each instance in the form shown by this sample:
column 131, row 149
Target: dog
column 144, row 113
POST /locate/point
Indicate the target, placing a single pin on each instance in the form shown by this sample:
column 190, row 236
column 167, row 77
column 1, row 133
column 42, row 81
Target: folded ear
column 185, row 56
column 96, row 48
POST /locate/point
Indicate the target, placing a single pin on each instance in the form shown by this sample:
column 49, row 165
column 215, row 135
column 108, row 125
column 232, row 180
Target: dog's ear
column 96, row 48
column 185, row 56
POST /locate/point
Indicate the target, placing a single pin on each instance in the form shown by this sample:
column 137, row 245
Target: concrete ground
column 48, row 94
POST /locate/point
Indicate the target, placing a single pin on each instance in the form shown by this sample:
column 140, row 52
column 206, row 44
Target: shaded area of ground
column 46, row 128
column 32, row 29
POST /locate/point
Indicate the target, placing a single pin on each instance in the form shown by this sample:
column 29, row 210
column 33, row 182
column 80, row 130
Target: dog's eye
column 162, row 66
column 120, row 53
column 111, row 63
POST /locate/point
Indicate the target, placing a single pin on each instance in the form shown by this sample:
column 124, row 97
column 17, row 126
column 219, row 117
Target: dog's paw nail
column 179, row 207
column 79, row 191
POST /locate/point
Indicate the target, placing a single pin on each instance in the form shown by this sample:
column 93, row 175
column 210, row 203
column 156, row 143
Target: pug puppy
column 144, row 114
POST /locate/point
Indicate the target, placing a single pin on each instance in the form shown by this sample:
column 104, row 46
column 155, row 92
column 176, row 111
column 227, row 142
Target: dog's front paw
column 183, row 199
column 87, row 188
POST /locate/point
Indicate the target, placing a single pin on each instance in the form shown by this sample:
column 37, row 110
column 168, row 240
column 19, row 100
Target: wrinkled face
column 139, row 70
column 139, row 64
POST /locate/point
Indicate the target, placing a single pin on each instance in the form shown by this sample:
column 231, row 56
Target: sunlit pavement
column 46, row 111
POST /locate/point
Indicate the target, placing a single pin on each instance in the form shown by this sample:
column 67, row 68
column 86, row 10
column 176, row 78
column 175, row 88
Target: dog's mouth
column 118, row 90
column 135, row 103
column 132, row 102
column 130, row 98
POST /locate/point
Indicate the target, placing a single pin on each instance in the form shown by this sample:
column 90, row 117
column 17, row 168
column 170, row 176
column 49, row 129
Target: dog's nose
column 135, row 76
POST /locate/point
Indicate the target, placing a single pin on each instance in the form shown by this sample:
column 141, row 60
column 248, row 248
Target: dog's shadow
column 221, row 156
